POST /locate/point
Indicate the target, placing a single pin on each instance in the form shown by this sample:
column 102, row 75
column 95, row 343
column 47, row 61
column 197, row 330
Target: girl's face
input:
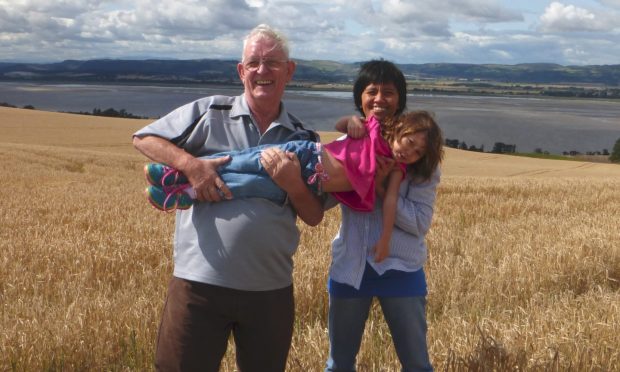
column 380, row 100
column 410, row 148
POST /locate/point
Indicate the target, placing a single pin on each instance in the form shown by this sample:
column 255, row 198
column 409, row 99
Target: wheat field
column 523, row 270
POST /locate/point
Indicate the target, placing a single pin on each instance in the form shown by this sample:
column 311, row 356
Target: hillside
column 224, row 71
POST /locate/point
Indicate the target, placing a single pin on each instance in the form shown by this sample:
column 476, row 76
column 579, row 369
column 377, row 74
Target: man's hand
column 285, row 170
column 203, row 176
column 282, row 167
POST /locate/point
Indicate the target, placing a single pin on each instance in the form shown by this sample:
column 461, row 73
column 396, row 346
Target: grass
column 523, row 270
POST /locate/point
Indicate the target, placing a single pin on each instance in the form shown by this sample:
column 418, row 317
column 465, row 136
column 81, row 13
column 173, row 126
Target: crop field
column 523, row 269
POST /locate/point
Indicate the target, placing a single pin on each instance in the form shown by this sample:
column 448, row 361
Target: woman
column 398, row 281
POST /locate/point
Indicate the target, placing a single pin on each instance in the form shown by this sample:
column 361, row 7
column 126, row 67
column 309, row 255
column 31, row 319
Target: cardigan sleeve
column 416, row 203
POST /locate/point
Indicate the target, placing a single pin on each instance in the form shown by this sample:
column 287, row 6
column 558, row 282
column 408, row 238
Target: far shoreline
column 447, row 87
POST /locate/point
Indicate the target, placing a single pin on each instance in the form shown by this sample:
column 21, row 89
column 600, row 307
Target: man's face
column 264, row 71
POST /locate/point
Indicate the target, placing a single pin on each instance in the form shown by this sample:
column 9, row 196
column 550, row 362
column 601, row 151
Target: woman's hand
column 353, row 126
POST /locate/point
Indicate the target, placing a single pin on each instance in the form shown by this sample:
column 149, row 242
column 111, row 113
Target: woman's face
column 380, row 100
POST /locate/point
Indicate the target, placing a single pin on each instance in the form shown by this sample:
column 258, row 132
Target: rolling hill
column 224, row 71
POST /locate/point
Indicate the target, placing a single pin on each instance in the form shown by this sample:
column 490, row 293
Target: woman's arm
column 390, row 201
column 416, row 202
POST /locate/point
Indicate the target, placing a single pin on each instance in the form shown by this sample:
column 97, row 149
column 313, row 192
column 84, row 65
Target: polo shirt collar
column 241, row 108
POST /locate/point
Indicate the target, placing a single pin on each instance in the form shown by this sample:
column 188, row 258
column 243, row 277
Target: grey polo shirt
column 245, row 244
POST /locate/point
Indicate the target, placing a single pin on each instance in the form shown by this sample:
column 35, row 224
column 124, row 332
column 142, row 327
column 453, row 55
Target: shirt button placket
column 366, row 231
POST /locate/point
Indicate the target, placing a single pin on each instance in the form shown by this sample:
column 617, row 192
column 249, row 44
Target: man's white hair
column 267, row 32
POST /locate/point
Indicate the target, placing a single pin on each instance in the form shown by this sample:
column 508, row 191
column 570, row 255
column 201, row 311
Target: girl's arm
column 390, row 201
column 385, row 165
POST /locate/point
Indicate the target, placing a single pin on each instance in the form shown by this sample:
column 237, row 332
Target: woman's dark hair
column 380, row 72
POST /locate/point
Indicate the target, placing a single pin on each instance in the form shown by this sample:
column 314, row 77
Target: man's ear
column 241, row 71
column 291, row 70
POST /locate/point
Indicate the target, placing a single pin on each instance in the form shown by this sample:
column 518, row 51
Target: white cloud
column 255, row 3
column 611, row 3
column 569, row 18
column 411, row 31
column 502, row 54
column 471, row 10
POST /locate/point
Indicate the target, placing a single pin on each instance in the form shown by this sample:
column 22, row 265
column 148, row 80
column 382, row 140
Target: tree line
column 27, row 107
column 110, row 112
column 498, row 147
column 505, row 148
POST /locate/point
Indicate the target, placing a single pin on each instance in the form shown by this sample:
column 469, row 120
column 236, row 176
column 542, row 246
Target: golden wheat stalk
column 523, row 270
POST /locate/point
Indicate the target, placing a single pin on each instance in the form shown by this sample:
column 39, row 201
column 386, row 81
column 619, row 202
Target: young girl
column 346, row 169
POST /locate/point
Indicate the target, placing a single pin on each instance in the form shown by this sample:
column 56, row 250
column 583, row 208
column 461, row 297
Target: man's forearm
column 308, row 206
column 162, row 151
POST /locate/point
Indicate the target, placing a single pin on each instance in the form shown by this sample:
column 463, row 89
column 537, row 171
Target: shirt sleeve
column 176, row 125
column 416, row 202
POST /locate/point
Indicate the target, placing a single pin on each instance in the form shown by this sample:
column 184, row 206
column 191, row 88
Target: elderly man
column 233, row 258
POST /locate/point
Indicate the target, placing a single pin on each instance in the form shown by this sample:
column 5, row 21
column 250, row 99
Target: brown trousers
column 199, row 318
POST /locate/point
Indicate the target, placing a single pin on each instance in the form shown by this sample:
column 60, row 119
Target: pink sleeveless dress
column 358, row 159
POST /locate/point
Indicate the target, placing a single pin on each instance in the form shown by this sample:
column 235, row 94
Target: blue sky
column 567, row 32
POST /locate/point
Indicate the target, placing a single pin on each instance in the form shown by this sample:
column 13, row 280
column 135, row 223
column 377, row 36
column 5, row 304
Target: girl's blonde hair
column 415, row 122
